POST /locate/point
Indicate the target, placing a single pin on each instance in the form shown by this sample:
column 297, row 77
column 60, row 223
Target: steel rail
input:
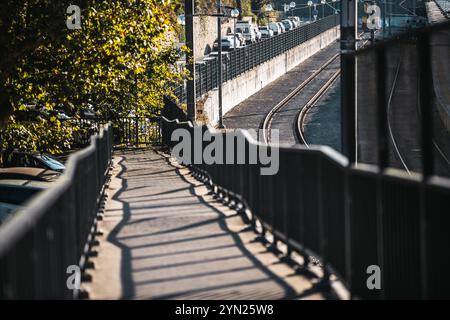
column 267, row 123
column 389, row 125
column 311, row 103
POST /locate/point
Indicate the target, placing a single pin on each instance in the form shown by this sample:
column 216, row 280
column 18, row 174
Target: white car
column 258, row 34
column 275, row 27
column 248, row 31
column 288, row 24
column 295, row 20
column 266, row 33
column 235, row 39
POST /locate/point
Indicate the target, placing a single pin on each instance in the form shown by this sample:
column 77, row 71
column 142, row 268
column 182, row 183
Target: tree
column 121, row 61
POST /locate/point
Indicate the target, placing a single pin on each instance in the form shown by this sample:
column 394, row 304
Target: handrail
column 348, row 217
column 51, row 231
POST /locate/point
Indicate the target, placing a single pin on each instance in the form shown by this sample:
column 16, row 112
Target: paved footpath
column 164, row 238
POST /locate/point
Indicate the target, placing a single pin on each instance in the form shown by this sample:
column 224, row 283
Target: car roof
column 20, row 173
column 26, row 183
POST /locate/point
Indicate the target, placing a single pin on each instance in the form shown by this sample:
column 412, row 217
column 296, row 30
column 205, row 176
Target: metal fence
column 54, row 230
column 352, row 215
column 348, row 217
column 401, row 82
column 127, row 131
column 241, row 60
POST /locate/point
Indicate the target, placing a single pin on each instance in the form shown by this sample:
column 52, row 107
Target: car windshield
column 52, row 163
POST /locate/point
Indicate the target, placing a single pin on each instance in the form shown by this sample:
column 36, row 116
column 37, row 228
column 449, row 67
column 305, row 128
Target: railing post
column 136, row 133
column 426, row 105
column 190, row 55
column 348, row 77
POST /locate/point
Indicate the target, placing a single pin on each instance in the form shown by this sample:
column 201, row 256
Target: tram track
column 311, row 81
column 310, row 104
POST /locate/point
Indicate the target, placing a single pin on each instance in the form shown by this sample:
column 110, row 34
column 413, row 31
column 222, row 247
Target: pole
column 190, row 64
column 348, row 78
column 234, row 33
column 136, row 110
column 219, row 61
column 384, row 18
column 310, row 14
column 390, row 17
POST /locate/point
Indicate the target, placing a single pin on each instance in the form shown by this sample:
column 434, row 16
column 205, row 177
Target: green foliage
column 44, row 135
column 120, row 61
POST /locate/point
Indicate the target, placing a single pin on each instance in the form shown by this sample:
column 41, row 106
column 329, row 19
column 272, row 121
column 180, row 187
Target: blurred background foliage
column 119, row 63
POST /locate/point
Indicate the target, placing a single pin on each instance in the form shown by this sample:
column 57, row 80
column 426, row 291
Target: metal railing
column 412, row 121
column 241, row 60
column 348, row 217
column 54, row 230
column 127, row 131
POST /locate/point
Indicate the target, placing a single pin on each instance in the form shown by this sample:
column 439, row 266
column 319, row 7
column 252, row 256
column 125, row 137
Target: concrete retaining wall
column 239, row 89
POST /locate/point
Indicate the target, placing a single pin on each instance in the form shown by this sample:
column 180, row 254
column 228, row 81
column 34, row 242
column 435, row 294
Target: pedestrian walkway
column 165, row 238
column 434, row 13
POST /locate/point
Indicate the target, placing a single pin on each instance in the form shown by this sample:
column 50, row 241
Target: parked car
column 215, row 54
column 275, row 27
column 33, row 174
column 266, row 33
column 14, row 193
column 235, row 40
column 282, row 27
column 295, row 20
column 6, row 211
column 288, row 24
column 248, row 31
column 227, row 44
column 31, row 159
column 241, row 38
column 258, row 34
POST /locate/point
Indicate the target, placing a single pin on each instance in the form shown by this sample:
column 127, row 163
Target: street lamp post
column 292, row 5
column 235, row 15
column 323, row 2
column 268, row 8
column 349, row 16
column 219, row 61
column 190, row 54
column 310, row 4
column 334, row 6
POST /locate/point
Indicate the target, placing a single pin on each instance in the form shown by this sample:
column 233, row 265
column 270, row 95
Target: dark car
column 227, row 45
column 15, row 193
column 32, row 174
column 31, row 159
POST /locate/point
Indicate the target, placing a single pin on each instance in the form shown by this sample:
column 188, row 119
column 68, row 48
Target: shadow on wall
column 208, row 50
